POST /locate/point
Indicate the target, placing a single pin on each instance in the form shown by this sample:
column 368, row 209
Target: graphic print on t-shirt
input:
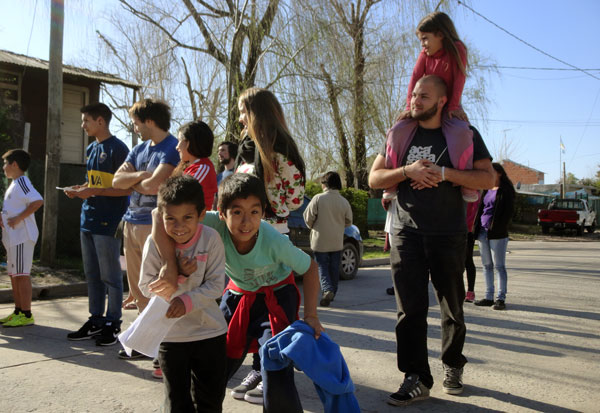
column 416, row 153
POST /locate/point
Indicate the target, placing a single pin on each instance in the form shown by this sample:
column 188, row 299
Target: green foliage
column 312, row 188
column 358, row 201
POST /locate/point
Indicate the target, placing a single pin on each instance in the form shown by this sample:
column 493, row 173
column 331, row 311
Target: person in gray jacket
column 327, row 214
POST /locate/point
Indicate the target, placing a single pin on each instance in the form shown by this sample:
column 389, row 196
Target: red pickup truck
column 567, row 213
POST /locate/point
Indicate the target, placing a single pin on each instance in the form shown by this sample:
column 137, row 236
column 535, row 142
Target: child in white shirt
column 19, row 234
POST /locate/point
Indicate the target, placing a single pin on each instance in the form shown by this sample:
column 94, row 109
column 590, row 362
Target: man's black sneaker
column 484, row 303
column 410, row 391
column 88, row 330
column 499, row 305
column 135, row 355
column 452, row 380
column 109, row 335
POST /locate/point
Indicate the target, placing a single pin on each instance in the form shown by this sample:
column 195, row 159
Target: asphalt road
column 542, row 354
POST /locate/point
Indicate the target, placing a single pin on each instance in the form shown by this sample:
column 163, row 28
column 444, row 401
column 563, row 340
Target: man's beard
column 425, row 115
column 224, row 161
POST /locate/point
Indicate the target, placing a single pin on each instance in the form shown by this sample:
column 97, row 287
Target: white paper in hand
column 149, row 329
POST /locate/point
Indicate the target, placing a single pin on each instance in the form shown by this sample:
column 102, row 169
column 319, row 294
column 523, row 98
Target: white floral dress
column 285, row 192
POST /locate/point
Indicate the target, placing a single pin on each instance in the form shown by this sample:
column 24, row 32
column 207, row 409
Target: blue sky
column 531, row 109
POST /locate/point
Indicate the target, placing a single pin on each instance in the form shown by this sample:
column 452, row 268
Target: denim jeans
column 100, row 254
column 329, row 269
column 497, row 247
column 416, row 258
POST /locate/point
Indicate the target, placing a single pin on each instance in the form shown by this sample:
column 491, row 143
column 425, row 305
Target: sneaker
column 109, row 335
column 484, row 303
column 453, row 380
column 470, row 297
column 7, row 318
column 157, row 373
column 327, row 298
column 256, row 395
column 20, row 320
column 498, row 305
column 249, row 383
column 135, row 355
column 411, row 390
column 88, row 330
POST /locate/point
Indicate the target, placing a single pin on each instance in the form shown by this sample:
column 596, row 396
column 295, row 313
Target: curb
column 48, row 292
column 374, row 262
column 80, row 289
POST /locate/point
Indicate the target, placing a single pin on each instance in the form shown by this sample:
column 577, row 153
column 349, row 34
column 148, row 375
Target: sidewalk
column 542, row 354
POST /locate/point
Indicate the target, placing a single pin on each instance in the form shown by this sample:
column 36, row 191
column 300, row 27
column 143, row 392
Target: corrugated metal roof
column 26, row 61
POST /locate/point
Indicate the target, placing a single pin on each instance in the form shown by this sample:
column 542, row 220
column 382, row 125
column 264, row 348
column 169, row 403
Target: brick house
column 521, row 173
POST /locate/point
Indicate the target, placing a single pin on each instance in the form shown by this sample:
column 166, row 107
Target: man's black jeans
column 414, row 258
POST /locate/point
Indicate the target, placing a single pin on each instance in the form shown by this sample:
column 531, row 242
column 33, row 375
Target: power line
column 549, row 122
column 527, row 43
column 533, row 68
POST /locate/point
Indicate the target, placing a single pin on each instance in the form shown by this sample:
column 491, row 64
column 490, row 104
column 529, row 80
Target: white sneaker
column 255, row 396
column 252, row 380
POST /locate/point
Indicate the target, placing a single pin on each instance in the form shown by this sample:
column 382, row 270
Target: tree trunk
column 339, row 127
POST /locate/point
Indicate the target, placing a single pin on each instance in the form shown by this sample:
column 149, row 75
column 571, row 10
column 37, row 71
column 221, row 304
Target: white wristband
column 443, row 174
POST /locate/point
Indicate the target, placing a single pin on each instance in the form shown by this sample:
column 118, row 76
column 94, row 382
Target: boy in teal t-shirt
column 261, row 298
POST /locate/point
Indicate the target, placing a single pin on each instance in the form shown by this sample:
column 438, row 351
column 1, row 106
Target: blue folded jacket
column 321, row 360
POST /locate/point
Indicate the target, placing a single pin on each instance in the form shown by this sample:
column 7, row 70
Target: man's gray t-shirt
column 433, row 211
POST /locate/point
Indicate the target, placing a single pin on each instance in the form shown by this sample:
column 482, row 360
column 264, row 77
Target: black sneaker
column 484, row 303
column 452, row 380
column 411, row 390
column 135, row 355
column 499, row 305
column 88, row 330
column 109, row 335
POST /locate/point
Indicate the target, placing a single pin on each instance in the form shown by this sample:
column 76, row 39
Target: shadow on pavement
column 518, row 401
column 45, row 343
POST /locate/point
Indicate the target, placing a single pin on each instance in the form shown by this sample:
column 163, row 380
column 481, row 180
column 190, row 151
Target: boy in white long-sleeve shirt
column 192, row 355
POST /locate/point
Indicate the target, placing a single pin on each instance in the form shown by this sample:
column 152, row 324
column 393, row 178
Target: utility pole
column 53, row 134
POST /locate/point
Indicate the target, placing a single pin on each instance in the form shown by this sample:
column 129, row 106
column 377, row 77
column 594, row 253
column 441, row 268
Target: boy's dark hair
column 332, row 180
column 200, row 138
column 98, row 109
column 238, row 186
column 232, row 148
column 152, row 109
column 179, row 190
column 20, row 156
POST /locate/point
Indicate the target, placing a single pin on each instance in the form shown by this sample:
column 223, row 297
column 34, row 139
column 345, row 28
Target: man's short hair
column 240, row 186
column 20, row 156
column 332, row 180
column 232, row 148
column 180, row 190
column 437, row 82
column 152, row 109
column 98, row 109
